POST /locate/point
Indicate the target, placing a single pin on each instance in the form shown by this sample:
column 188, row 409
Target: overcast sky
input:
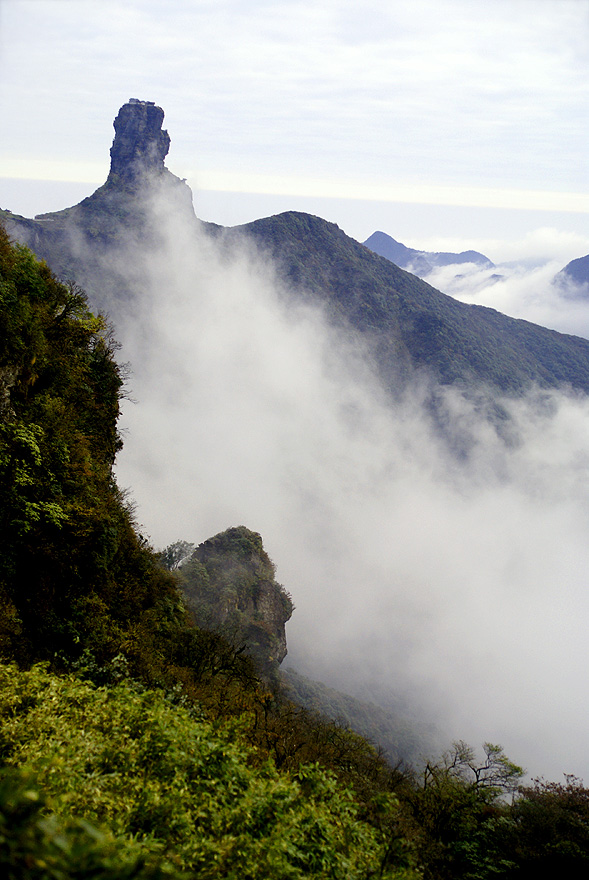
column 437, row 121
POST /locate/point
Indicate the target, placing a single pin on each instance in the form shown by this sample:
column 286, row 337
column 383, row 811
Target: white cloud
column 446, row 94
column 525, row 288
column 460, row 585
column 536, row 247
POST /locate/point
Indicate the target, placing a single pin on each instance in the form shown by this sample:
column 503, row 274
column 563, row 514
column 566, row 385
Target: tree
column 453, row 807
column 175, row 554
column 496, row 775
column 548, row 831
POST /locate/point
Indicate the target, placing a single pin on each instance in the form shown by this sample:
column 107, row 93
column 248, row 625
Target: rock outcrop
column 229, row 585
column 140, row 145
column 96, row 240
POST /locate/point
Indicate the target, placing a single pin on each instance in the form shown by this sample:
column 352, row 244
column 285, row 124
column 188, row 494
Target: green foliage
column 74, row 575
column 178, row 787
column 547, row 831
column 455, row 807
column 37, row 845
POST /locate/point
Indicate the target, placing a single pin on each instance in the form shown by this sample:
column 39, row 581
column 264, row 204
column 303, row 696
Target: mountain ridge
column 408, row 327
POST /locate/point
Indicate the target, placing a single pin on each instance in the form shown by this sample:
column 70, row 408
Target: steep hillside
column 109, row 768
column 78, row 585
column 408, row 324
column 401, row 741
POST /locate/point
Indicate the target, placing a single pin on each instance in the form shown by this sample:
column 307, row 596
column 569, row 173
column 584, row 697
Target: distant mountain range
column 420, row 262
column 407, row 325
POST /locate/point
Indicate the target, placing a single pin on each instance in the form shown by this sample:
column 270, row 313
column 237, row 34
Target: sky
column 448, row 124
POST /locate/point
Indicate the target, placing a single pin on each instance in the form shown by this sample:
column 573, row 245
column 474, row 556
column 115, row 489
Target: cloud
column 457, row 586
column 445, row 94
column 537, row 246
column 526, row 288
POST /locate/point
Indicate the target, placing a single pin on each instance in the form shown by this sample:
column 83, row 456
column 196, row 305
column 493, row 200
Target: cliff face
column 140, row 145
column 229, row 585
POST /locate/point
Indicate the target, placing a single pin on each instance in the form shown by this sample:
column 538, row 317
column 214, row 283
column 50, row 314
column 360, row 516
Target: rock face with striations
column 140, row 145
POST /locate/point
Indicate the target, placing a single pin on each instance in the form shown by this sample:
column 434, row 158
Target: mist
column 456, row 586
column 523, row 281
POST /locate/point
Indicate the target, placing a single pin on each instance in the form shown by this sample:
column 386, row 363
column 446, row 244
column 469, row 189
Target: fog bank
column 459, row 585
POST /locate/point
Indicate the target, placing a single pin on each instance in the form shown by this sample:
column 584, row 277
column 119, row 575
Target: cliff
column 229, row 586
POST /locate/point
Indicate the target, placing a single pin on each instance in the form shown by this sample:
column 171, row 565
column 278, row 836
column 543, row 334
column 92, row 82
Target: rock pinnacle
column 140, row 146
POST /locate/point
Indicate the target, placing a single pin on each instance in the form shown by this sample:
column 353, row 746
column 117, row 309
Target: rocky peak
column 229, row 585
column 140, row 146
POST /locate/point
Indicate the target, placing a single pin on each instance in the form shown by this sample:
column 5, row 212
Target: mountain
column 577, row 272
column 420, row 262
column 408, row 326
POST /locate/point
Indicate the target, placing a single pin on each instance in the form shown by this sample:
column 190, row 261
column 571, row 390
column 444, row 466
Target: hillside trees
column 80, row 589
column 181, row 792
column 77, row 582
column 454, row 807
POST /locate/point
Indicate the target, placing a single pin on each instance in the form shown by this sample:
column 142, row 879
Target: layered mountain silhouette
column 577, row 273
column 407, row 325
column 420, row 262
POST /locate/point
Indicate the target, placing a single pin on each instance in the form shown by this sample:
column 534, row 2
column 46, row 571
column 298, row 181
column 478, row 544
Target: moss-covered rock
column 229, row 584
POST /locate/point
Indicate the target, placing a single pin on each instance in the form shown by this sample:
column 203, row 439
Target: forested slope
column 409, row 325
column 156, row 731
column 147, row 746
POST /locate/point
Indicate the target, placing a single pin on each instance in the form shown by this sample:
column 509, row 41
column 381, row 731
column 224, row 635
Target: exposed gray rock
column 140, row 145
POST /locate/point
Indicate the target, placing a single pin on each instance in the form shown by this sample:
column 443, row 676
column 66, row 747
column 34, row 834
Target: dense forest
column 139, row 736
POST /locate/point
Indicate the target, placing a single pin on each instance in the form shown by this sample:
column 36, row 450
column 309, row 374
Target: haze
column 458, row 586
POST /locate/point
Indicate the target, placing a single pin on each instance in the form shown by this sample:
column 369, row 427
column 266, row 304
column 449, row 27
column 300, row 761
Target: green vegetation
column 408, row 323
column 82, row 591
column 402, row 741
column 138, row 742
column 177, row 786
